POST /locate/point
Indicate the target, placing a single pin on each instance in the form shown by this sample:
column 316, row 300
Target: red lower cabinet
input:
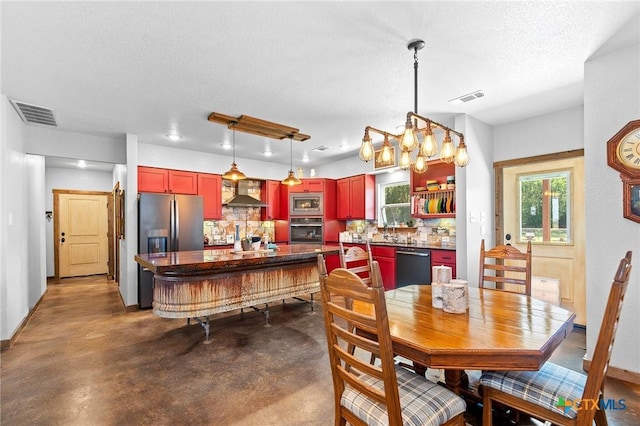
column 444, row 258
column 386, row 257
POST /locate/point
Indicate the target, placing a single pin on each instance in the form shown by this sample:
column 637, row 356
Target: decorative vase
column 237, row 244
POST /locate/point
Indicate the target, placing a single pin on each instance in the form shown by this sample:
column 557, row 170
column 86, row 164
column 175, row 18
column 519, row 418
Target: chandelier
column 408, row 141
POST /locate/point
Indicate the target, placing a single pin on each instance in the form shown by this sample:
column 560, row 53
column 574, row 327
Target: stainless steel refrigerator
column 166, row 222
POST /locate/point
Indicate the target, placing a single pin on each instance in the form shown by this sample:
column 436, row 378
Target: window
column 394, row 203
column 545, row 208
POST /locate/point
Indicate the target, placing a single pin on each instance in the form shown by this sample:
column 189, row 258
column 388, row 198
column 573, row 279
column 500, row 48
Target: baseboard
column 131, row 308
column 616, row 373
column 6, row 344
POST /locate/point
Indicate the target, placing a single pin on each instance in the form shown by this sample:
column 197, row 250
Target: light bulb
column 366, row 149
column 409, row 140
column 385, row 155
column 421, row 164
column 429, row 146
column 462, row 156
column 448, row 151
column 405, row 160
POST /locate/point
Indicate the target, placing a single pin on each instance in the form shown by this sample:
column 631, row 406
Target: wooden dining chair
column 381, row 394
column 357, row 260
column 557, row 394
column 504, row 265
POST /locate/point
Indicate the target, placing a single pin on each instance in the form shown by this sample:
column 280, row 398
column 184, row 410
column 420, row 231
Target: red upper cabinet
column 151, row 179
column 181, row 182
column 210, row 188
column 308, row 185
column 356, row 198
column 154, row 179
column 271, row 195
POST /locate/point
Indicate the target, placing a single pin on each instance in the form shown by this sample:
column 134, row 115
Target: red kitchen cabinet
column 151, row 179
column 154, row 179
column 308, row 185
column 386, row 257
column 356, row 198
column 210, row 188
column 181, row 182
column 270, row 194
column 444, row 258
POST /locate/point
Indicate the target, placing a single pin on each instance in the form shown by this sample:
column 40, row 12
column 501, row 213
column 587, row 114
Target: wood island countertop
column 199, row 262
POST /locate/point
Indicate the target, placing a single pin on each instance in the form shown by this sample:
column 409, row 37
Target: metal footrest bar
column 264, row 312
column 205, row 325
column 306, row 301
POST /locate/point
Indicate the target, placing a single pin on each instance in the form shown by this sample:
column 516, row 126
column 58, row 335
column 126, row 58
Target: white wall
column 612, row 98
column 544, row 134
column 57, row 143
column 22, row 282
column 474, row 196
column 71, row 179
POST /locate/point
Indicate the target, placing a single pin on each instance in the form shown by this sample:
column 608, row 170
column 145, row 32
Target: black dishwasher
column 413, row 266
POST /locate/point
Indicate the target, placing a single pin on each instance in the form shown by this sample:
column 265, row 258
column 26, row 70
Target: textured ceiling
column 327, row 68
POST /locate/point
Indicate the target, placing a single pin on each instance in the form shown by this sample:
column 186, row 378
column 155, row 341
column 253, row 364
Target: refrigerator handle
column 176, row 226
column 172, row 225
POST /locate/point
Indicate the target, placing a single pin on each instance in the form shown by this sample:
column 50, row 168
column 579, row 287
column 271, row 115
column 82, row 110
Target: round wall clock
column 623, row 151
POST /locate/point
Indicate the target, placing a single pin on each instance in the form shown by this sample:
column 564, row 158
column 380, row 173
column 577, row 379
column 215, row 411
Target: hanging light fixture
column 291, row 180
column 408, row 141
column 233, row 173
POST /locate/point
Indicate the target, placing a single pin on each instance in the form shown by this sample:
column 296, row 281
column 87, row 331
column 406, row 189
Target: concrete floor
column 81, row 360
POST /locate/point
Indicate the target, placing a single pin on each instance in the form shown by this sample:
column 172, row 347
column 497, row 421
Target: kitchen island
column 200, row 283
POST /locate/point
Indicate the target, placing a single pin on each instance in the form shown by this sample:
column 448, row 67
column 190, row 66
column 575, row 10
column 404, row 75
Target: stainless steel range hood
column 242, row 198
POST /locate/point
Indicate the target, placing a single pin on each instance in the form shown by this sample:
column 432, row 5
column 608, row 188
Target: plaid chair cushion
column 552, row 387
column 423, row 403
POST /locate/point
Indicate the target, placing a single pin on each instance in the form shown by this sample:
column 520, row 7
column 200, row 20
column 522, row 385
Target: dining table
column 499, row 330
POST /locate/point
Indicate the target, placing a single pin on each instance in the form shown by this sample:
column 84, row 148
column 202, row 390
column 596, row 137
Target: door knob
column 62, row 240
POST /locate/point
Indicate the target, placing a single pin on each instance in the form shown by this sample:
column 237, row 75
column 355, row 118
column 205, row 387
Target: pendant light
column 291, row 180
column 233, row 173
column 408, row 140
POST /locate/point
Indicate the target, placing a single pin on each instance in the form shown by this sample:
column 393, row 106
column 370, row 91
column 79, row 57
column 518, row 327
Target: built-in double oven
column 305, row 230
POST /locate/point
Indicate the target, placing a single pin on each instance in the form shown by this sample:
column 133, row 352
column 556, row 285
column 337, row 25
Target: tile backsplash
column 248, row 218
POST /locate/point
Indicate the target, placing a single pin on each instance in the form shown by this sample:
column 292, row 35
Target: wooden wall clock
column 623, row 155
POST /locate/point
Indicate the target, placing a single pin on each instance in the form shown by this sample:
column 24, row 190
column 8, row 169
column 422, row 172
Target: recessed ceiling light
column 268, row 153
column 82, row 164
column 226, row 145
column 174, row 137
column 305, row 159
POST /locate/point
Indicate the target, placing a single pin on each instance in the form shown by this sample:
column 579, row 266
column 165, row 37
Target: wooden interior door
column 564, row 262
column 81, row 233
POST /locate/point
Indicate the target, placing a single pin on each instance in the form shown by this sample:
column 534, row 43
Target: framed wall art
column 379, row 164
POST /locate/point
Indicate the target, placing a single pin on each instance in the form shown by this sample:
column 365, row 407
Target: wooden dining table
column 499, row 331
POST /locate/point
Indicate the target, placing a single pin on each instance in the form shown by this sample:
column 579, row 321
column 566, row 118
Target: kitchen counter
column 194, row 284
column 402, row 245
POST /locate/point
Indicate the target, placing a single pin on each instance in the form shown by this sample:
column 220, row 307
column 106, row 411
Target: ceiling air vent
column 35, row 114
column 320, row 148
column 467, row 98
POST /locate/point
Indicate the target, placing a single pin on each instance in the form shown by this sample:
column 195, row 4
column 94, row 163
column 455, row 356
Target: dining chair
column 555, row 393
column 357, row 260
column 384, row 393
column 505, row 264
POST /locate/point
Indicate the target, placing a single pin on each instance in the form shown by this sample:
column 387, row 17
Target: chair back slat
column 602, row 351
column 349, row 352
column 358, row 261
column 508, row 266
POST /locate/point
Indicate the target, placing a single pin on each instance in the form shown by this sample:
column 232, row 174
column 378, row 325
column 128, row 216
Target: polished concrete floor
column 81, row 360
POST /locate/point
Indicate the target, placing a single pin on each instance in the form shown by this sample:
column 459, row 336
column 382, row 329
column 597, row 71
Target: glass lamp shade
column 234, row 173
column 291, row 180
column 366, row 149
column 462, row 156
column 405, row 160
column 447, row 154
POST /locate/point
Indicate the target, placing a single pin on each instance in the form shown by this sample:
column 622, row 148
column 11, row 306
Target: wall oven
column 306, row 204
column 305, row 230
